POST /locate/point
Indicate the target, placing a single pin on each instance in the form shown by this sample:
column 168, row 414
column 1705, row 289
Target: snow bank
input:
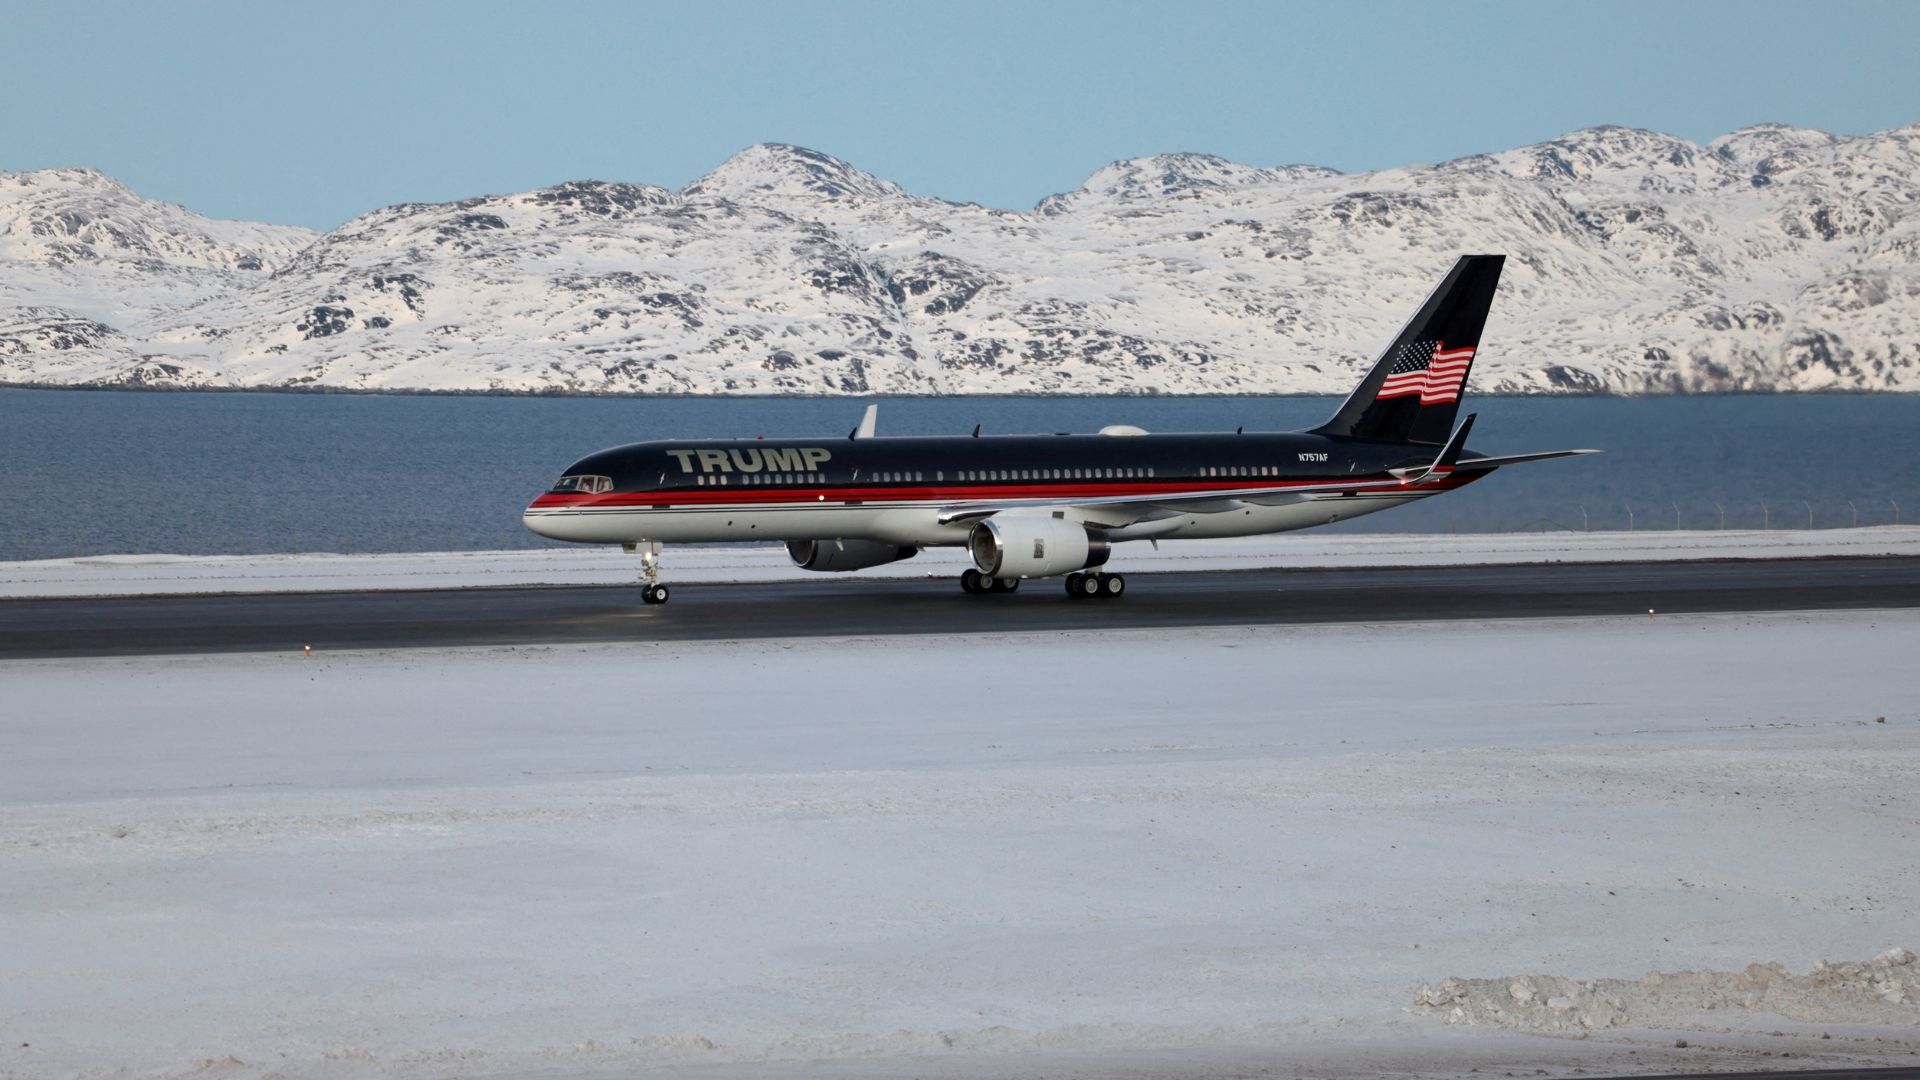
column 1115, row 853
column 1884, row 990
column 113, row 575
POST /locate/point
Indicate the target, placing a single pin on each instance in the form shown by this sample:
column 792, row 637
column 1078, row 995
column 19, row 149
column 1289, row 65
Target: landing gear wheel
column 1112, row 585
column 1087, row 586
column 654, row 594
column 1007, row 584
column 971, row 581
column 1073, row 585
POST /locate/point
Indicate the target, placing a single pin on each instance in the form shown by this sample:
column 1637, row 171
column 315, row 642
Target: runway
column 848, row 606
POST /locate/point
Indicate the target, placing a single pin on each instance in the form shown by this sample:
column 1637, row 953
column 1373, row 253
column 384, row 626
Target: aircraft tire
column 1007, row 584
column 1088, row 587
column 1112, row 585
column 972, row 582
column 654, row 594
column 1073, row 585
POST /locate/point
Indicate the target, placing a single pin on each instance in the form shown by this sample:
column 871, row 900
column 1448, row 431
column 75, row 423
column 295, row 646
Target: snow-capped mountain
column 1772, row 258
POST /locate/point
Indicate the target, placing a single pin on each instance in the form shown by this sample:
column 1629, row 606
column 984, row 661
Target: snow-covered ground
column 1117, row 853
column 120, row 575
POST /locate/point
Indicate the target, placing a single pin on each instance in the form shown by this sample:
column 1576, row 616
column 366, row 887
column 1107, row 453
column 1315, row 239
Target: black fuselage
column 986, row 466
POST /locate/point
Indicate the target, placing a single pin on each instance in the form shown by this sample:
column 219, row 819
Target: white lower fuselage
column 917, row 525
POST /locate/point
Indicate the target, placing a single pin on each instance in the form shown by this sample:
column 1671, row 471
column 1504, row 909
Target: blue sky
column 311, row 113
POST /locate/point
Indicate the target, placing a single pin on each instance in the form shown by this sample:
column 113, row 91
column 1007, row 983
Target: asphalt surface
column 1894, row 1073
column 839, row 606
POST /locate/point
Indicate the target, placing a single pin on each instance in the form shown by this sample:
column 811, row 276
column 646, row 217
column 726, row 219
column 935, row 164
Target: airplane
column 1038, row 506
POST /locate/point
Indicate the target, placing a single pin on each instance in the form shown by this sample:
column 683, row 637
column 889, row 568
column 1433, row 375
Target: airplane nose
column 540, row 521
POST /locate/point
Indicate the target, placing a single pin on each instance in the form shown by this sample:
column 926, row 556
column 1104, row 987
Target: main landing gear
column 1090, row 585
column 973, row 581
column 1094, row 585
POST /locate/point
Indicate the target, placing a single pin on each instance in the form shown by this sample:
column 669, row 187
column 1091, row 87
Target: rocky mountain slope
column 1772, row 258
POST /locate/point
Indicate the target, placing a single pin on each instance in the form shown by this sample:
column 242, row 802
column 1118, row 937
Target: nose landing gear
column 653, row 592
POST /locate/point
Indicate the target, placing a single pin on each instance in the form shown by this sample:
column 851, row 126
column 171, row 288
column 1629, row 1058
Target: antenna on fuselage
column 868, row 420
column 976, row 431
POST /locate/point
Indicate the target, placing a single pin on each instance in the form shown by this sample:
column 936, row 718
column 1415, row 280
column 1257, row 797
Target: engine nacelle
column 1013, row 547
column 834, row 556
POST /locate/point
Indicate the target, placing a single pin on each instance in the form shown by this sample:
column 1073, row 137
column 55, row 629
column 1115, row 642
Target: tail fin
column 1413, row 392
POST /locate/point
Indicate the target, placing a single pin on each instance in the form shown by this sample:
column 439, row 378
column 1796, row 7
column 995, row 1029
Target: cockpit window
column 584, row 485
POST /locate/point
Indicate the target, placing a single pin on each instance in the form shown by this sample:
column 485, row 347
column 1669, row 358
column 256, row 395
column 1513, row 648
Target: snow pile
column 1772, row 258
column 1883, row 990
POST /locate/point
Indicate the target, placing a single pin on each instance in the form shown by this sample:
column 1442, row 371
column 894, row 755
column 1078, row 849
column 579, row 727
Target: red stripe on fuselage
column 747, row 496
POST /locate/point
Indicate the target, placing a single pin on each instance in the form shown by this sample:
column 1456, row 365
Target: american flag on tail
column 1429, row 370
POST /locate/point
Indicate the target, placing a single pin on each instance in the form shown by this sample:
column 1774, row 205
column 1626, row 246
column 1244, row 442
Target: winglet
column 867, row 423
column 1448, row 458
column 1450, row 453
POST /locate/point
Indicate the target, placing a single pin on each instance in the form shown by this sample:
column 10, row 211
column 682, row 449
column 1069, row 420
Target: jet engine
column 1014, row 547
column 837, row 555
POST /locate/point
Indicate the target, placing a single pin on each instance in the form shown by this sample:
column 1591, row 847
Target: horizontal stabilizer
column 1476, row 464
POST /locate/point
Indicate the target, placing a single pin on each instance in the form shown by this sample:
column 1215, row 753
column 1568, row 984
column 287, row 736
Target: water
column 91, row 472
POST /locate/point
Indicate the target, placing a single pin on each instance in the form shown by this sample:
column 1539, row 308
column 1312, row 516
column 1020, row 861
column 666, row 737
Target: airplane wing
column 1117, row 510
